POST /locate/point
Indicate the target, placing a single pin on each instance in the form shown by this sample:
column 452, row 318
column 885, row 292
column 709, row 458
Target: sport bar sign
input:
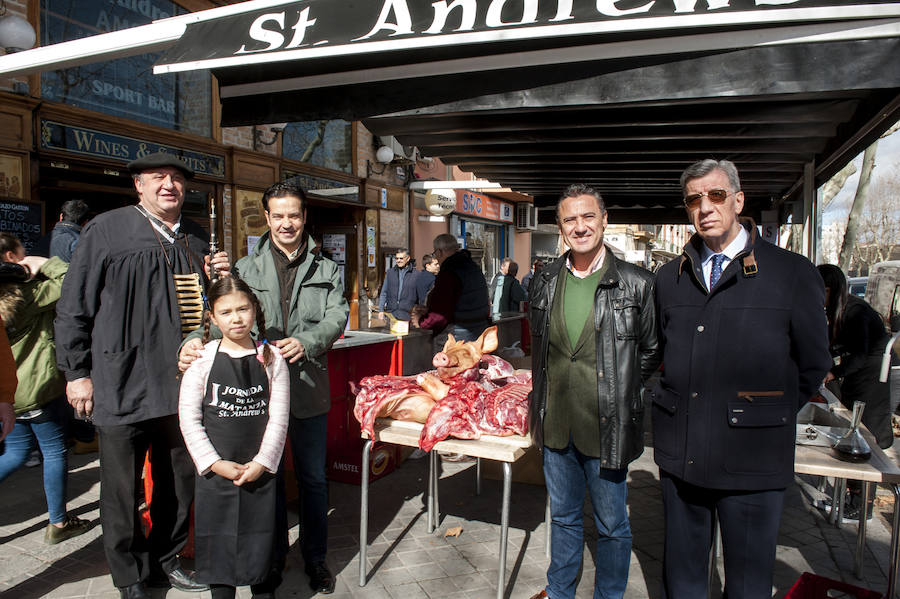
column 328, row 28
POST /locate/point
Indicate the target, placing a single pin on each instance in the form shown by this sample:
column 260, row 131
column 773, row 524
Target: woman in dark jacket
column 857, row 338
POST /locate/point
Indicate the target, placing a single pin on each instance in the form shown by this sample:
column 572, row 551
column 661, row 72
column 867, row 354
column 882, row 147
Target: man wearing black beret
column 118, row 329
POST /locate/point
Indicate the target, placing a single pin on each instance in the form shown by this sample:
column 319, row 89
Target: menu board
column 22, row 219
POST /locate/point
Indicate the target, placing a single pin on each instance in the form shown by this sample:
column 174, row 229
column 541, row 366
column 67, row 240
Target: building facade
column 69, row 134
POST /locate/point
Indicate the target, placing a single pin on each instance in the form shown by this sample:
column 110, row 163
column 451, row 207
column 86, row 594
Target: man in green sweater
column 593, row 324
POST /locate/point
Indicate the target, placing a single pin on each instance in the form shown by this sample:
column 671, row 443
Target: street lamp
column 16, row 33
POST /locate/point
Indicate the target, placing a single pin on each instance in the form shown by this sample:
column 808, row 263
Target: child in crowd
column 233, row 411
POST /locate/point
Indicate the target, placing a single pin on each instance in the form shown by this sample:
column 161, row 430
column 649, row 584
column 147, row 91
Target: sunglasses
column 716, row 196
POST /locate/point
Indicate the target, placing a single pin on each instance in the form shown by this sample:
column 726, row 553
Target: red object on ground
column 811, row 586
column 188, row 550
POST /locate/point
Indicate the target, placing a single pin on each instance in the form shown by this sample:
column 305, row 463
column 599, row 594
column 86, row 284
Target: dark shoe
column 134, row 591
column 178, row 579
column 34, row 459
column 72, row 527
column 85, row 447
column 320, row 578
column 851, row 514
column 541, row 595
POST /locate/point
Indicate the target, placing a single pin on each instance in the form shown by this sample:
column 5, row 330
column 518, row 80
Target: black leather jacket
column 625, row 321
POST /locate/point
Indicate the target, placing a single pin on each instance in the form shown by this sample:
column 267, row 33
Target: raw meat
column 456, row 415
column 471, row 393
column 390, row 396
column 510, row 407
column 494, row 368
column 435, row 387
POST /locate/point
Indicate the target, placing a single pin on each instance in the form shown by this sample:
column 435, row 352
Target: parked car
column 857, row 286
column 883, row 291
column 883, row 294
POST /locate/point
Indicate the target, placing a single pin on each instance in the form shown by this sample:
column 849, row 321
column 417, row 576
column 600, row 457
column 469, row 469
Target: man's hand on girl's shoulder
column 189, row 352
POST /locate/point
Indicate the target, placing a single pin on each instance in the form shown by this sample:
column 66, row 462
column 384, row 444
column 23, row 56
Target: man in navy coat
column 398, row 292
column 745, row 344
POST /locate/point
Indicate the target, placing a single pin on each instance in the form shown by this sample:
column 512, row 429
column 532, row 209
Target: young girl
column 233, row 412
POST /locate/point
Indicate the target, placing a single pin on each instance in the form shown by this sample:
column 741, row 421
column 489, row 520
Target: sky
column 887, row 158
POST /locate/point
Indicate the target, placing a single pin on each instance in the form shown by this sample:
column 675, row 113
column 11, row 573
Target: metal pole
column 478, row 476
column 895, row 546
column 861, row 529
column 364, row 512
column 837, row 502
column 504, row 528
column 432, row 490
column 435, row 478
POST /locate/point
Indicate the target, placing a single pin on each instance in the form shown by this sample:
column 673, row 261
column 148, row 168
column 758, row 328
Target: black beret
column 158, row 159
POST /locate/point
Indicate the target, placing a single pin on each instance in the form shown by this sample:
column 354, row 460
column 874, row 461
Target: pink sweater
column 190, row 410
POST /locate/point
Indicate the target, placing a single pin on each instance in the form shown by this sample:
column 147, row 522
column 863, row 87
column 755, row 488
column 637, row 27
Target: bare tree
column 859, row 203
column 834, row 185
column 315, row 142
column 878, row 228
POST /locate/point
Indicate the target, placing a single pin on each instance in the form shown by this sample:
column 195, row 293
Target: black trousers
column 131, row 556
column 309, row 439
column 749, row 522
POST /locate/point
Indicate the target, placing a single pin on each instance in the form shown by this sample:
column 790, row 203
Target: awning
column 535, row 94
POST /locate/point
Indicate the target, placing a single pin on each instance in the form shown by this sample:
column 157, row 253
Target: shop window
column 483, row 242
column 125, row 87
column 328, row 144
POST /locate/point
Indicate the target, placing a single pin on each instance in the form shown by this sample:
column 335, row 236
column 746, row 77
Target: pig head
column 459, row 356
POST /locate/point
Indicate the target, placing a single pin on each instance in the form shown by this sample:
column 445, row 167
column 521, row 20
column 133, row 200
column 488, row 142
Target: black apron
column 234, row 527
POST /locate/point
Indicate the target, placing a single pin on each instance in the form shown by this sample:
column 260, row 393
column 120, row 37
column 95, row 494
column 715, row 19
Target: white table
column 502, row 449
column 879, row 469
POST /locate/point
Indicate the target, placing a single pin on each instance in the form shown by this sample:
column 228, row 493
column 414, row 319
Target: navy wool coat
column 737, row 365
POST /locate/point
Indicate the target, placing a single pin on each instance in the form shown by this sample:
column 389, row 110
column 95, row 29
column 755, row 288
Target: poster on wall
column 370, row 247
column 11, row 179
column 336, row 247
column 250, row 220
column 251, row 243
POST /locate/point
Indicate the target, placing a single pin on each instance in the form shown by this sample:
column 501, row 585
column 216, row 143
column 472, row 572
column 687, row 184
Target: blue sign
column 89, row 142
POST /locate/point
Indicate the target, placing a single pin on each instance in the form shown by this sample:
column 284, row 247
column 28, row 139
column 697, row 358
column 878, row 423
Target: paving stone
column 367, row 592
column 472, row 582
column 395, row 577
column 411, row 562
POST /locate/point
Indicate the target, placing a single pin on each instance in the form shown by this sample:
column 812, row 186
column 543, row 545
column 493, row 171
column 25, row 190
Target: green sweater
column 572, row 400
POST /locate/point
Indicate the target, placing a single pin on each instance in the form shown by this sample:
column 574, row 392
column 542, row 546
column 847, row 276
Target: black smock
column 234, row 527
column 117, row 319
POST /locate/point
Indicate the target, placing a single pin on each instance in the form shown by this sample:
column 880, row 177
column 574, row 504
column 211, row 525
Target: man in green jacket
column 303, row 299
